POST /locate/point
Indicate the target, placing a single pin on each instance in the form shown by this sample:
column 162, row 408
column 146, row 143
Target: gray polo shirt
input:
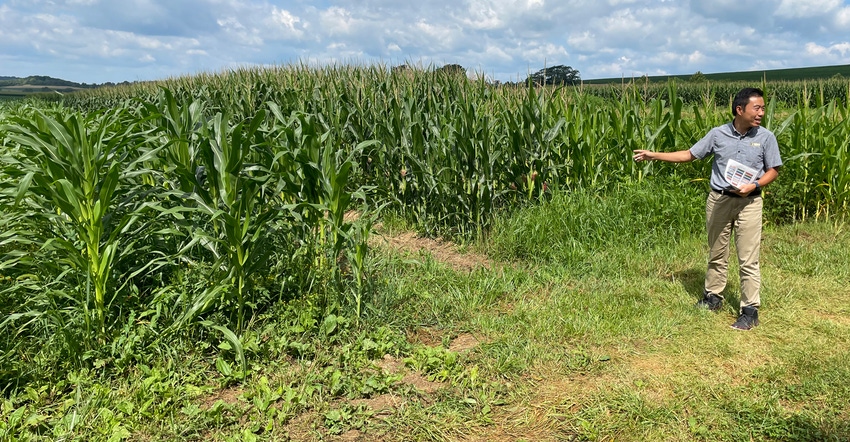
column 757, row 148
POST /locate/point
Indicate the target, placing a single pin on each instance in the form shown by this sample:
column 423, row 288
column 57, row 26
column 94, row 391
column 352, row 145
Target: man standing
column 746, row 159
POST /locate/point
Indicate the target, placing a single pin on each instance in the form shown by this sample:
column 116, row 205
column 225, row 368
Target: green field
column 355, row 254
column 11, row 94
column 771, row 75
column 14, row 88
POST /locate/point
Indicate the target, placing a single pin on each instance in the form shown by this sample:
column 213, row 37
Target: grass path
column 627, row 357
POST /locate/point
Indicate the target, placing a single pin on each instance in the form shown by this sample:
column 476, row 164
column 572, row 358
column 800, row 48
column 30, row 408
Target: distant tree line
column 560, row 75
column 37, row 81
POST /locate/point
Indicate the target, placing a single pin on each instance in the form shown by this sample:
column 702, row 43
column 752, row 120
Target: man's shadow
column 693, row 281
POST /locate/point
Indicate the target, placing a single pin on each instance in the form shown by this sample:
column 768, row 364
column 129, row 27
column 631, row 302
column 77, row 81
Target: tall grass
column 586, row 222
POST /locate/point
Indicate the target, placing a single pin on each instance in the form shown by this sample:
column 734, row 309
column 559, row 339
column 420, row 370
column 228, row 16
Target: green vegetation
column 788, row 87
column 217, row 257
column 770, row 75
column 555, row 75
column 12, row 88
column 38, row 80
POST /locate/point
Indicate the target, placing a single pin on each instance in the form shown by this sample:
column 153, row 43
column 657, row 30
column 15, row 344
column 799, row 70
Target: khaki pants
column 723, row 215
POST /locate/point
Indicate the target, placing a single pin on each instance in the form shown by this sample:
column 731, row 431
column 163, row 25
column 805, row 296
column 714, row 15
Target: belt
column 756, row 192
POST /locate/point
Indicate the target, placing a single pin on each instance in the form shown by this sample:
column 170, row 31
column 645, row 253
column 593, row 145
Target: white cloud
column 240, row 33
column 807, row 8
column 696, row 58
column 337, row 21
column 832, row 51
column 480, row 15
column 286, row 22
column 545, row 53
column 438, row 36
column 496, row 53
column 115, row 41
column 586, row 40
column 622, row 22
column 842, row 19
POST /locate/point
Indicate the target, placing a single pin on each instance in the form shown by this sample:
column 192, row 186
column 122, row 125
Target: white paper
column 738, row 174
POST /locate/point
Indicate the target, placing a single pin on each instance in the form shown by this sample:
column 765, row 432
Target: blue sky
column 96, row 41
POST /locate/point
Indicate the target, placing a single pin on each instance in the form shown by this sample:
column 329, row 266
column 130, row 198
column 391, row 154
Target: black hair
column 743, row 98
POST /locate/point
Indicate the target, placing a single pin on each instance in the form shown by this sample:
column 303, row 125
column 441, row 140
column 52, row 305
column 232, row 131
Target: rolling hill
column 16, row 87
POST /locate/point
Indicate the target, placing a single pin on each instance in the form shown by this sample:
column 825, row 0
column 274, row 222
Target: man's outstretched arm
column 682, row 156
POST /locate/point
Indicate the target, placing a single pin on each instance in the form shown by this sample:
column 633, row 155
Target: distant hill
column 38, row 80
column 792, row 74
column 12, row 88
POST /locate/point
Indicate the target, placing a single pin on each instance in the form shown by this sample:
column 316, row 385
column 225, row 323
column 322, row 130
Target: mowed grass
column 607, row 345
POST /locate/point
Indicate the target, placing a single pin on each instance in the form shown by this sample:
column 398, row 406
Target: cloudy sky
column 97, row 41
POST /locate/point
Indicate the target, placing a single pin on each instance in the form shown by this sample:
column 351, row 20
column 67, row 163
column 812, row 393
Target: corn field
column 204, row 200
column 785, row 93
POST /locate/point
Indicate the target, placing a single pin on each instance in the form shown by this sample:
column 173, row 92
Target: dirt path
column 443, row 251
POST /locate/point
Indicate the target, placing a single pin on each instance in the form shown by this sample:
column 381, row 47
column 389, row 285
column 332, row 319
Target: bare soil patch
column 229, row 396
column 464, row 342
column 428, row 336
column 390, row 365
column 442, row 251
column 301, row 427
column 380, row 405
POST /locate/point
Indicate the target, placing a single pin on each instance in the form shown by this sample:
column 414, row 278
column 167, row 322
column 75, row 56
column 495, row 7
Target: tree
column 453, row 69
column 400, row 69
column 698, row 77
column 557, row 75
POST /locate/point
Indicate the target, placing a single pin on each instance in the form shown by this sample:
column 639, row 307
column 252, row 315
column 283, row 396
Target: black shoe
column 748, row 319
column 711, row 302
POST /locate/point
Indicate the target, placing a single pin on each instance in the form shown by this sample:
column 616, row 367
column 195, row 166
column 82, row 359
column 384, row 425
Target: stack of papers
column 738, row 174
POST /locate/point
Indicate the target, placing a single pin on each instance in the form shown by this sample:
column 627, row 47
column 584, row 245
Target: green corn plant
column 175, row 128
column 234, row 195
column 78, row 172
column 316, row 186
column 451, row 151
column 814, row 143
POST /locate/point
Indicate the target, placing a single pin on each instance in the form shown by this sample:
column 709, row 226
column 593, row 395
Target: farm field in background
column 8, row 93
column 223, row 257
column 809, row 74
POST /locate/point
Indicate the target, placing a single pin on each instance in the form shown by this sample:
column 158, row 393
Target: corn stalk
column 81, row 170
column 233, row 193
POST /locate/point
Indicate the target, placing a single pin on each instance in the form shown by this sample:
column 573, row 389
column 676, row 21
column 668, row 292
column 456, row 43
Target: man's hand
column 746, row 189
column 682, row 156
column 643, row 155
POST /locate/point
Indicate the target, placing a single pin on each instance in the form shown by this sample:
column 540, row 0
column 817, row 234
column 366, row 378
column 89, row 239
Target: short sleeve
column 772, row 157
column 704, row 146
